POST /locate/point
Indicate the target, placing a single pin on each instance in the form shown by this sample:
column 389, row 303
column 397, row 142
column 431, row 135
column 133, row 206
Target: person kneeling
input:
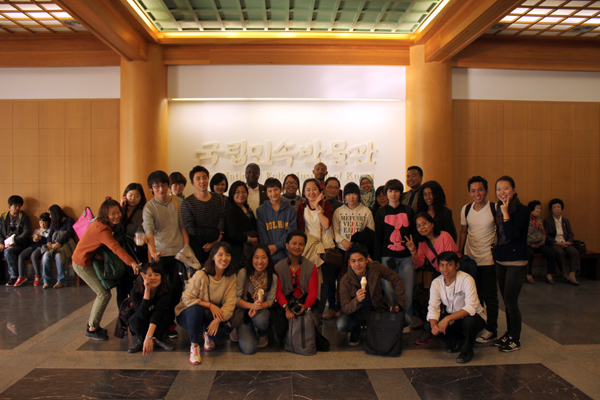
column 356, row 298
column 464, row 317
column 150, row 296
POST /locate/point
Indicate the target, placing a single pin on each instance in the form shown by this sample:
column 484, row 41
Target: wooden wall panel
column 59, row 152
column 551, row 149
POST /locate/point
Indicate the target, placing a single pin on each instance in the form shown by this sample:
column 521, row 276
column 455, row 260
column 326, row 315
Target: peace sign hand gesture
column 410, row 244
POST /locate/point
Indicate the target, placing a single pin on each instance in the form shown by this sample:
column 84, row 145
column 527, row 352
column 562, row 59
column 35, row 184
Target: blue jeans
column 47, row 267
column 11, row 254
column 351, row 322
column 247, row 333
column 195, row 319
column 405, row 267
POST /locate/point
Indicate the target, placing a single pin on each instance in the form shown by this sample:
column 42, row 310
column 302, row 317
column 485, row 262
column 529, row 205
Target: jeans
column 36, row 259
column 351, row 322
column 465, row 330
column 11, row 254
column 47, row 267
column 487, row 290
column 247, row 332
column 405, row 267
column 195, row 319
column 549, row 255
column 510, row 280
column 88, row 274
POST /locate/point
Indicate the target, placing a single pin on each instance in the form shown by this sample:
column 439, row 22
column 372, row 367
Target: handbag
column 384, row 333
column 84, row 222
column 301, row 335
column 580, row 246
column 332, row 256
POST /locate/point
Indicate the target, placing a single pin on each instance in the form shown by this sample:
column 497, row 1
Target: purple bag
column 83, row 222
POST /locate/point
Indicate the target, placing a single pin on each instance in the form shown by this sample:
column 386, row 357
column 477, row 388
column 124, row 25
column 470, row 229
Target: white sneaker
column 195, row 354
column 486, row 336
column 406, row 329
column 208, row 344
column 234, row 336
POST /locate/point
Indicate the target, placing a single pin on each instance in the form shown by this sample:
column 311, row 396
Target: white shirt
column 481, row 229
column 460, row 295
column 560, row 235
column 313, row 227
column 254, row 198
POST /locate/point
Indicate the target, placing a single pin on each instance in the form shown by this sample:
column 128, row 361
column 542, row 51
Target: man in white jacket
column 464, row 316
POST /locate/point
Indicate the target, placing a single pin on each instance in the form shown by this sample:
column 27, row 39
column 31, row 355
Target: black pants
column 331, row 275
column 171, row 267
column 547, row 253
column 196, row 244
column 139, row 327
column 487, row 290
column 464, row 330
column 510, row 280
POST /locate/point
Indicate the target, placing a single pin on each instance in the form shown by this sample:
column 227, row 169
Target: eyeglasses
column 177, row 184
column 291, row 183
column 242, row 192
column 424, row 224
column 161, row 186
column 333, row 187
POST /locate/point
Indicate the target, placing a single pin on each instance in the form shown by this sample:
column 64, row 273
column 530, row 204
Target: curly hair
column 439, row 197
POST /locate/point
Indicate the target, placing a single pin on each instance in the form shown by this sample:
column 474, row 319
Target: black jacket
column 23, row 234
column 515, row 230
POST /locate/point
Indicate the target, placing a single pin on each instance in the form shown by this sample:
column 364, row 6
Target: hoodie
column 392, row 226
column 347, row 222
column 273, row 226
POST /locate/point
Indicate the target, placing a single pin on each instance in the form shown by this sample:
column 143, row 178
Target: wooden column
column 429, row 142
column 143, row 134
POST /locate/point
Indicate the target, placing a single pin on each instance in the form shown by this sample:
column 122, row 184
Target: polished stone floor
column 44, row 354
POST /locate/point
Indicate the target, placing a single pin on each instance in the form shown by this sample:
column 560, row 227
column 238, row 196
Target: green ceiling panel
column 294, row 15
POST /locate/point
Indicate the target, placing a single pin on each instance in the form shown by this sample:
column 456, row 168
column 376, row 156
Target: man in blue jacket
column 275, row 219
column 14, row 222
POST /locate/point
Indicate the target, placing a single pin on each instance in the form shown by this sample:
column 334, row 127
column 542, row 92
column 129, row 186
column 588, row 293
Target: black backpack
column 492, row 209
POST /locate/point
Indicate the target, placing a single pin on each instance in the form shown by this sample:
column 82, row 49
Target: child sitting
column 39, row 238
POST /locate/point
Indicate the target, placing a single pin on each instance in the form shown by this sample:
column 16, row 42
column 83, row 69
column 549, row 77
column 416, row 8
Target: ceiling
column 551, row 18
column 35, row 16
column 376, row 16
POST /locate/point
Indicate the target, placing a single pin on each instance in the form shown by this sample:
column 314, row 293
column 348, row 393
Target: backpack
column 492, row 209
column 126, row 310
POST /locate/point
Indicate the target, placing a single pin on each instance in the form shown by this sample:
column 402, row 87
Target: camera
column 294, row 303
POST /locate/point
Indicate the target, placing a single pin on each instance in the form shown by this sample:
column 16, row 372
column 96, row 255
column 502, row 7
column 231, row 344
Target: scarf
column 367, row 198
column 512, row 206
column 258, row 282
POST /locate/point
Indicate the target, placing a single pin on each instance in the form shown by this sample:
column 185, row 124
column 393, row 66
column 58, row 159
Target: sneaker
column 464, row 358
column 37, row 281
column 96, row 335
column 195, row 354
column 99, row 329
column 172, row 333
column 136, row 347
column 20, row 281
column 406, row 329
column 11, row 281
column 486, row 336
column 338, row 314
column 208, row 344
column 502, row 341
column 58, row 286
column 354, row 339
column 263, row 342
column 329, row 314
column 425, row 338
column 234, row 336
column 163, row 345
column 510, row 346
column 46, row 286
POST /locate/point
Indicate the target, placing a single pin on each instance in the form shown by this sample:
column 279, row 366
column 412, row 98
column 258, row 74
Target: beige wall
column 551, row 149
column 63, row 152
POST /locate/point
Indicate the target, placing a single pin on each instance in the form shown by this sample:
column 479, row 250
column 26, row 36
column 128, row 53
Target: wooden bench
column 68, row 266
column 589, row 264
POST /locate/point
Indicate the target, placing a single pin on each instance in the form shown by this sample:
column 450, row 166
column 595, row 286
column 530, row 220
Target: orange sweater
column 95, row 236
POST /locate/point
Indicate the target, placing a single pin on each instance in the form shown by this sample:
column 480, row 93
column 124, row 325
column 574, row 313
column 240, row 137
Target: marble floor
column 44, row 355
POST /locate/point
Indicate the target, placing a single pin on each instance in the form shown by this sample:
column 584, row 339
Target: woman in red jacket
column 99, row 233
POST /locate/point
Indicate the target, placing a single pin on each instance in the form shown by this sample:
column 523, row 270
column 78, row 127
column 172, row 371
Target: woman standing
column 240, row 222
column 367, row 191
column 177, row 183
column 213, row 289
column 219, row 185
column 381, row 200
column 59, row 246
column 291, row 184
column 99, row 233
column 150, row 296
column 256, row 290
column 512, row 222
column 433, row 201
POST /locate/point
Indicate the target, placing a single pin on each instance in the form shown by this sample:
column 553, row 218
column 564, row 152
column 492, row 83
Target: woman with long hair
column 256, row 290
column 99, row 233
column 60, row 246
column 150, row 296
column 240, row 221
column 432, row 200
column 381, row 200
column 208, row 300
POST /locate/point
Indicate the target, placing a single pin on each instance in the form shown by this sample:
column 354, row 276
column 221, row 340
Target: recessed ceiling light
column 29, row 7
column 590, row 34
column 577, row 3
column 595, row 5
column 519, row 11
column 539, row 11
column 40, row 15
column 561, row 27
column 592, row 21
column 550, row 20
column 538, row 27
column 586, row 13
column 529, row 33
column 564, row 11
column 16, row 15
column 552, row 3
column 6, row 7
column 52, row 7
column 518, row 26
column 61, row 15
column 572, row 20
column 528, row 19
column 530, row 2
column 509, row 18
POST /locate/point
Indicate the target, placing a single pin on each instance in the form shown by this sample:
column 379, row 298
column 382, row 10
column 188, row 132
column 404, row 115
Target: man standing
column 478, row 228
column 14, row 222
column 414, row 180
column 256, row 192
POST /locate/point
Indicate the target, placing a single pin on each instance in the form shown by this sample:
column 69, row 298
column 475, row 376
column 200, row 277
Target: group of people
column 221, row 264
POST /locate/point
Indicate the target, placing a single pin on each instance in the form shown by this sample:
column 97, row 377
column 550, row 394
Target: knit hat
column 351, row 188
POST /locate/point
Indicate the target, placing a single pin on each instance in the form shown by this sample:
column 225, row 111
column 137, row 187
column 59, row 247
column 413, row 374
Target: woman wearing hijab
column 367, row 191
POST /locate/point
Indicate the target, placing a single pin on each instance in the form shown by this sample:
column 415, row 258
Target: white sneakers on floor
column 195, row 354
